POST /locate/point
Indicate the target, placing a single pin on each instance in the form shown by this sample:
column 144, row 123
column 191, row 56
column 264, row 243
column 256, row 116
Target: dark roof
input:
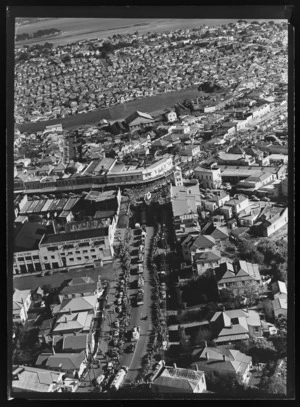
column 67, row 361
column 239, row 231
column 75, row 342
column 206, row 257
column 28, row 236
column 76, row 235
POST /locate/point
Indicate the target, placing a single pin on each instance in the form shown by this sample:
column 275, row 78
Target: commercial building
column 209, row 175
column 78, row 248
column 234, row 174
column 26, row 247
column 186, row 203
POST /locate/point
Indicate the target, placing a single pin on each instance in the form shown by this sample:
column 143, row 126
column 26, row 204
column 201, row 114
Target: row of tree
column 37, row 34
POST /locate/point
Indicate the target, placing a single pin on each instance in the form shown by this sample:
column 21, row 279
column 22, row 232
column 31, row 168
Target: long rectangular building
column 233, row 173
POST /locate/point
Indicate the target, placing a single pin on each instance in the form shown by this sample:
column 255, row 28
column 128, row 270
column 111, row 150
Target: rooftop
column 34, row 379
column 76, row 235
column 98, row 196
column 77, row 304
column 28, row 236
column 65, row 361
column 182, row 379
column 223, row 360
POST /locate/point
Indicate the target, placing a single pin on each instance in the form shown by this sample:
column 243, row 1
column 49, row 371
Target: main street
column 137, row 319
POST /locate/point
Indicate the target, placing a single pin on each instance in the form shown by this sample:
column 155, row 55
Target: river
column 116, row 112
column 75, row 29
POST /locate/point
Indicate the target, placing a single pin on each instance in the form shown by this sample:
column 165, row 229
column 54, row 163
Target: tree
column 65, row 58
column 249, row 252
column 261, row 350
column 47, row 288
column 183, row 339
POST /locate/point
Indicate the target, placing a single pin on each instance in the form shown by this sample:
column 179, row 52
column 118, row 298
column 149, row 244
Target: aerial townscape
column 151, row 211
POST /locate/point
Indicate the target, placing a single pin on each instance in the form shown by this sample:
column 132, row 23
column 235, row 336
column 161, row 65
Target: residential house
column 192, row 245
column 72, row 364
column 216, row 201
column 59, row 170
column 235, row 205
column 218, row 233
column 223, row 362
column 248, row 216
column 79, row 322
column 207, row 260
column 179, row 380
column 74, row 343
column 80, row 287
column 237, row 233
column 32, row 379
column 244, row 274
column 45, row 329
column 21, row 304
column 77, row 304
column 190, row 152
column 279, row 289
column 45, row 170
column 37, row 294
column 279, row 306
column 270, row 220
column 235, row 325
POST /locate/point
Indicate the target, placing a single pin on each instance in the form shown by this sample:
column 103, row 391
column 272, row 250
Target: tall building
column 209, row 175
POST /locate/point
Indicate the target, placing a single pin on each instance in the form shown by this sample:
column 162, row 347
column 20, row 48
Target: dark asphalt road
column 141, row 312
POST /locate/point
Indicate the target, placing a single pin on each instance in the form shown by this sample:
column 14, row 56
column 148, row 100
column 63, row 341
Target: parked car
column 265, row 199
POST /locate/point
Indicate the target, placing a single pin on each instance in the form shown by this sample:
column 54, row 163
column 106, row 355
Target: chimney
column 70, row 312
column 224, row 358
column 53, row 350
column 196, row 367
column 174, row 365
column 205, row 344
column 207, row 355
column 223, row 309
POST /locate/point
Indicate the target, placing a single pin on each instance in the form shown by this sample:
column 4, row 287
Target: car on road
column 265, row 199
column 254, row 198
